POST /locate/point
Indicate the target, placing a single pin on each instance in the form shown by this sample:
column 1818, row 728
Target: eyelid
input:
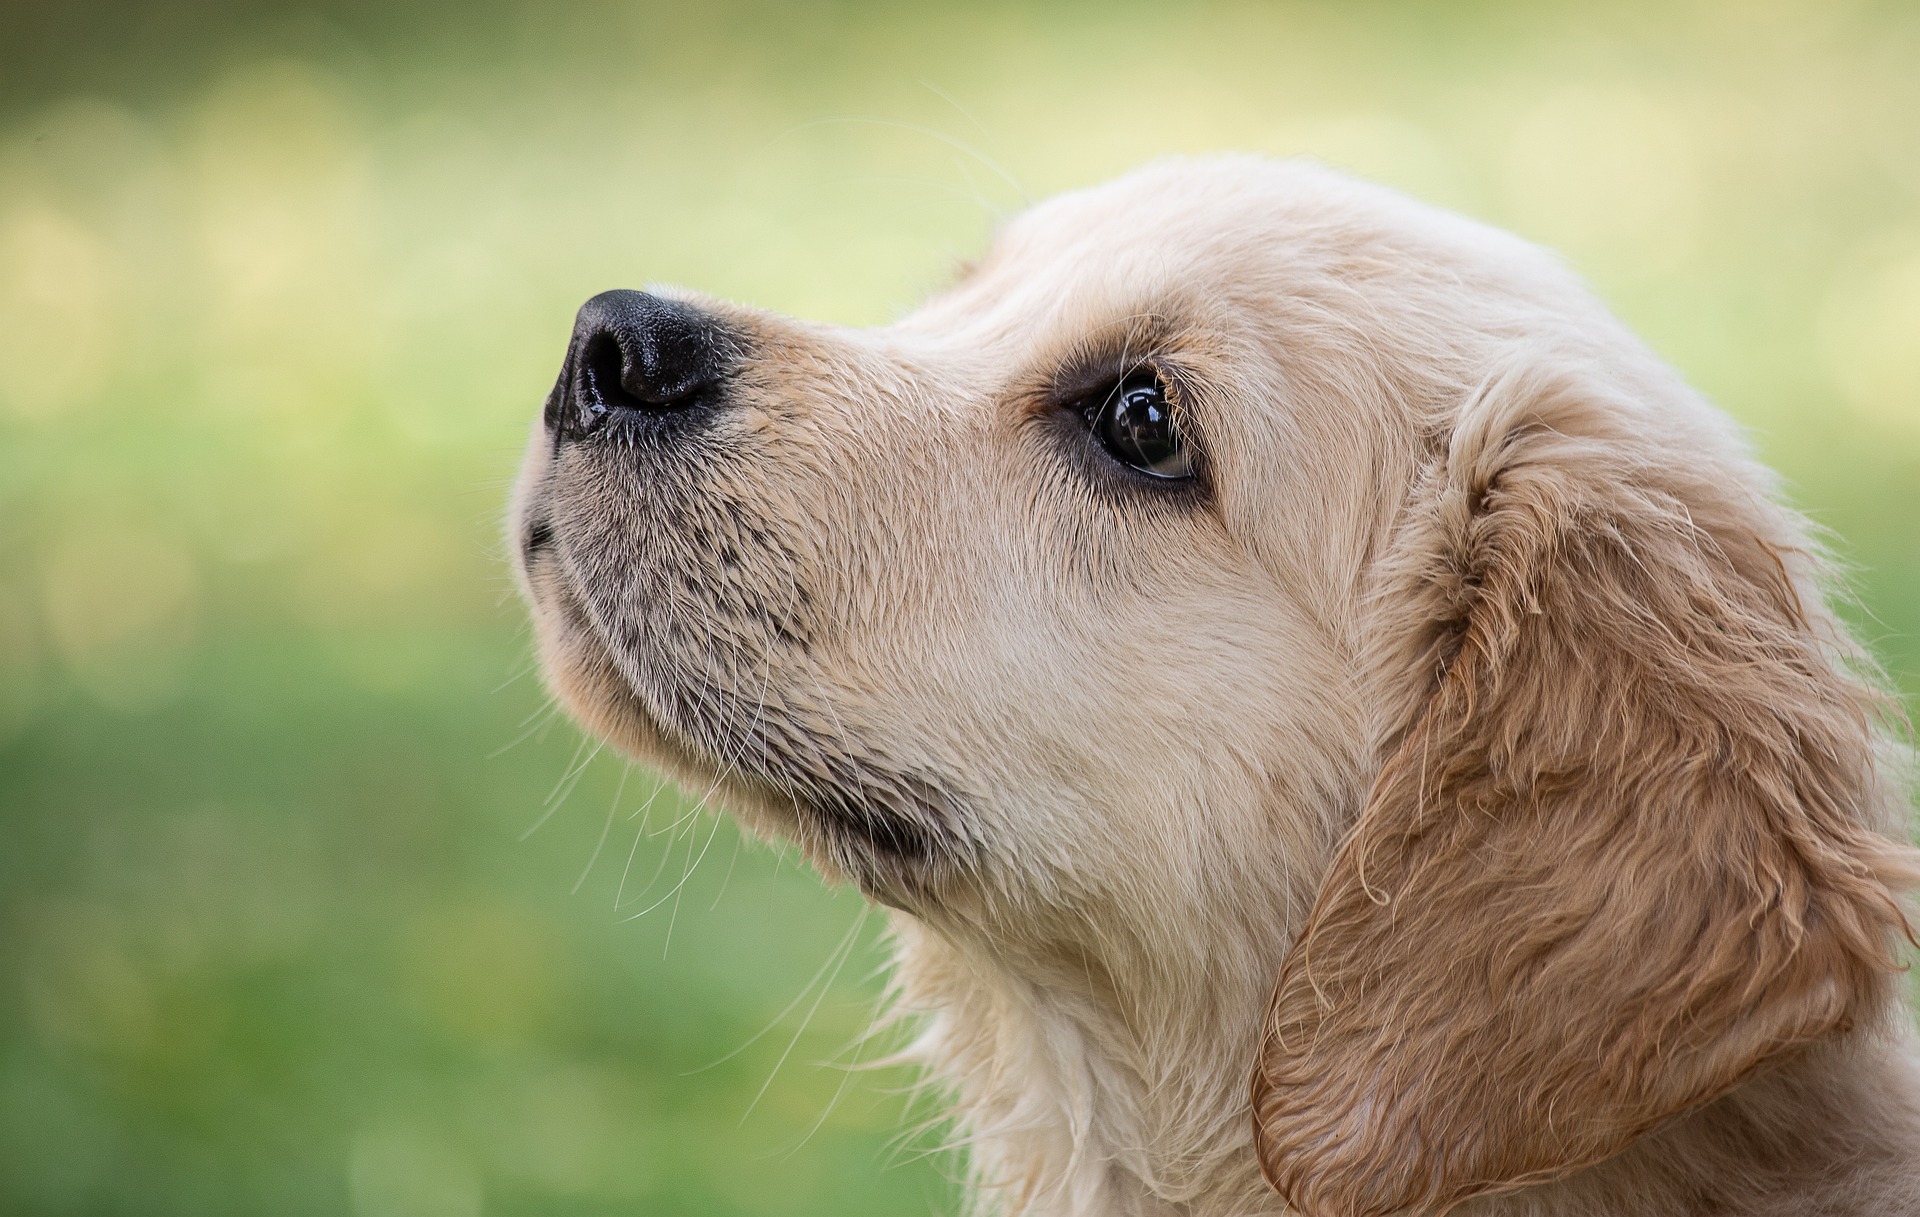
column 1092, row 381
column 1090, row 370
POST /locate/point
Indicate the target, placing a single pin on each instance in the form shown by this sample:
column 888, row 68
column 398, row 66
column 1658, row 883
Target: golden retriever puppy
column 1342, row 729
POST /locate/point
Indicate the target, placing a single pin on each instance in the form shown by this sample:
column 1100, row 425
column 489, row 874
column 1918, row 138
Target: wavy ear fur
column 1621, row 853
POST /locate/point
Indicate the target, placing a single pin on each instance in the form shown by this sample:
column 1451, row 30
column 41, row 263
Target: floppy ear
column 1616, row 858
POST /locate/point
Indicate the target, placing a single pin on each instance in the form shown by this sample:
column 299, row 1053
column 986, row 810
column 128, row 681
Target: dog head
column 1248, row 564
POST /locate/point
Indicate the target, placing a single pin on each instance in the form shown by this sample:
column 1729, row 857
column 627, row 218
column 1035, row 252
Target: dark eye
column 1136, row 425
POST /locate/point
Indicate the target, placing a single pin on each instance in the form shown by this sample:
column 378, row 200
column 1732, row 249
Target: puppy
column 1341, row 728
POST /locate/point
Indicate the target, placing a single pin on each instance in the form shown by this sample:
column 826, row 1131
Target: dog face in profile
column 1331, row 714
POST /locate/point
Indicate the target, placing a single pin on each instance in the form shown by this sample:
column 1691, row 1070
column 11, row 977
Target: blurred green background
column 305, row 906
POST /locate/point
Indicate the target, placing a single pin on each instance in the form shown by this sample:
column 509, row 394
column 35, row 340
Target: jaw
column 903, row 840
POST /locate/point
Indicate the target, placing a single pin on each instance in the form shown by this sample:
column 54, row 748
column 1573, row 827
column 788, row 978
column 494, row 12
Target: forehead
column 1169, row 238
column 1238, row 239
column 1067, row 260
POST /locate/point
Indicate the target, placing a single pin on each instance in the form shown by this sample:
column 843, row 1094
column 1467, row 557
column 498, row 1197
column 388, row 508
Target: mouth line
column 536, row 539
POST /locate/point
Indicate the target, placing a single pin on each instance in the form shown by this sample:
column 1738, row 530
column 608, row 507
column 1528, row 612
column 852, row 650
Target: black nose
column 636, row 353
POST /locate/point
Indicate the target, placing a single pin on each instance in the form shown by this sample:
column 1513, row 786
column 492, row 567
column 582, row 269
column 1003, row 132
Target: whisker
column 658, row 786
column 612, row 807
column 859, row 1046
column 526, row 669
column 781, row 1017
column 683, row 878
column 565, row 786
column 637, row 837
column 934, row 133
column 727, row 878
column 542, row 716
column 1026, row 200
column 844, row 952
column 680, row 888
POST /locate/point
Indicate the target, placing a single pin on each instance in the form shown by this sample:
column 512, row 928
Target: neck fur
column 1073, row 1099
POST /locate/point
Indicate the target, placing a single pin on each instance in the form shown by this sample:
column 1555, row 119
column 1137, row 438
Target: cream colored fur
column 1158, row 735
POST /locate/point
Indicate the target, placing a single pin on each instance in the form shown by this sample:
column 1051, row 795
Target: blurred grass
column 280, row 291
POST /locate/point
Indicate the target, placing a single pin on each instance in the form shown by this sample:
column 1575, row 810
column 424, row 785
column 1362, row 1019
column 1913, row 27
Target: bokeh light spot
column 121, row 604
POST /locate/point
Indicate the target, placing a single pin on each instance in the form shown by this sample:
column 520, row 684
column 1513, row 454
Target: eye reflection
column 1136, row 425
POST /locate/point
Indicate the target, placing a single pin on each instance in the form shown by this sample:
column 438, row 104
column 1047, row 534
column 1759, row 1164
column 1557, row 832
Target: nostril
column 604, row 367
